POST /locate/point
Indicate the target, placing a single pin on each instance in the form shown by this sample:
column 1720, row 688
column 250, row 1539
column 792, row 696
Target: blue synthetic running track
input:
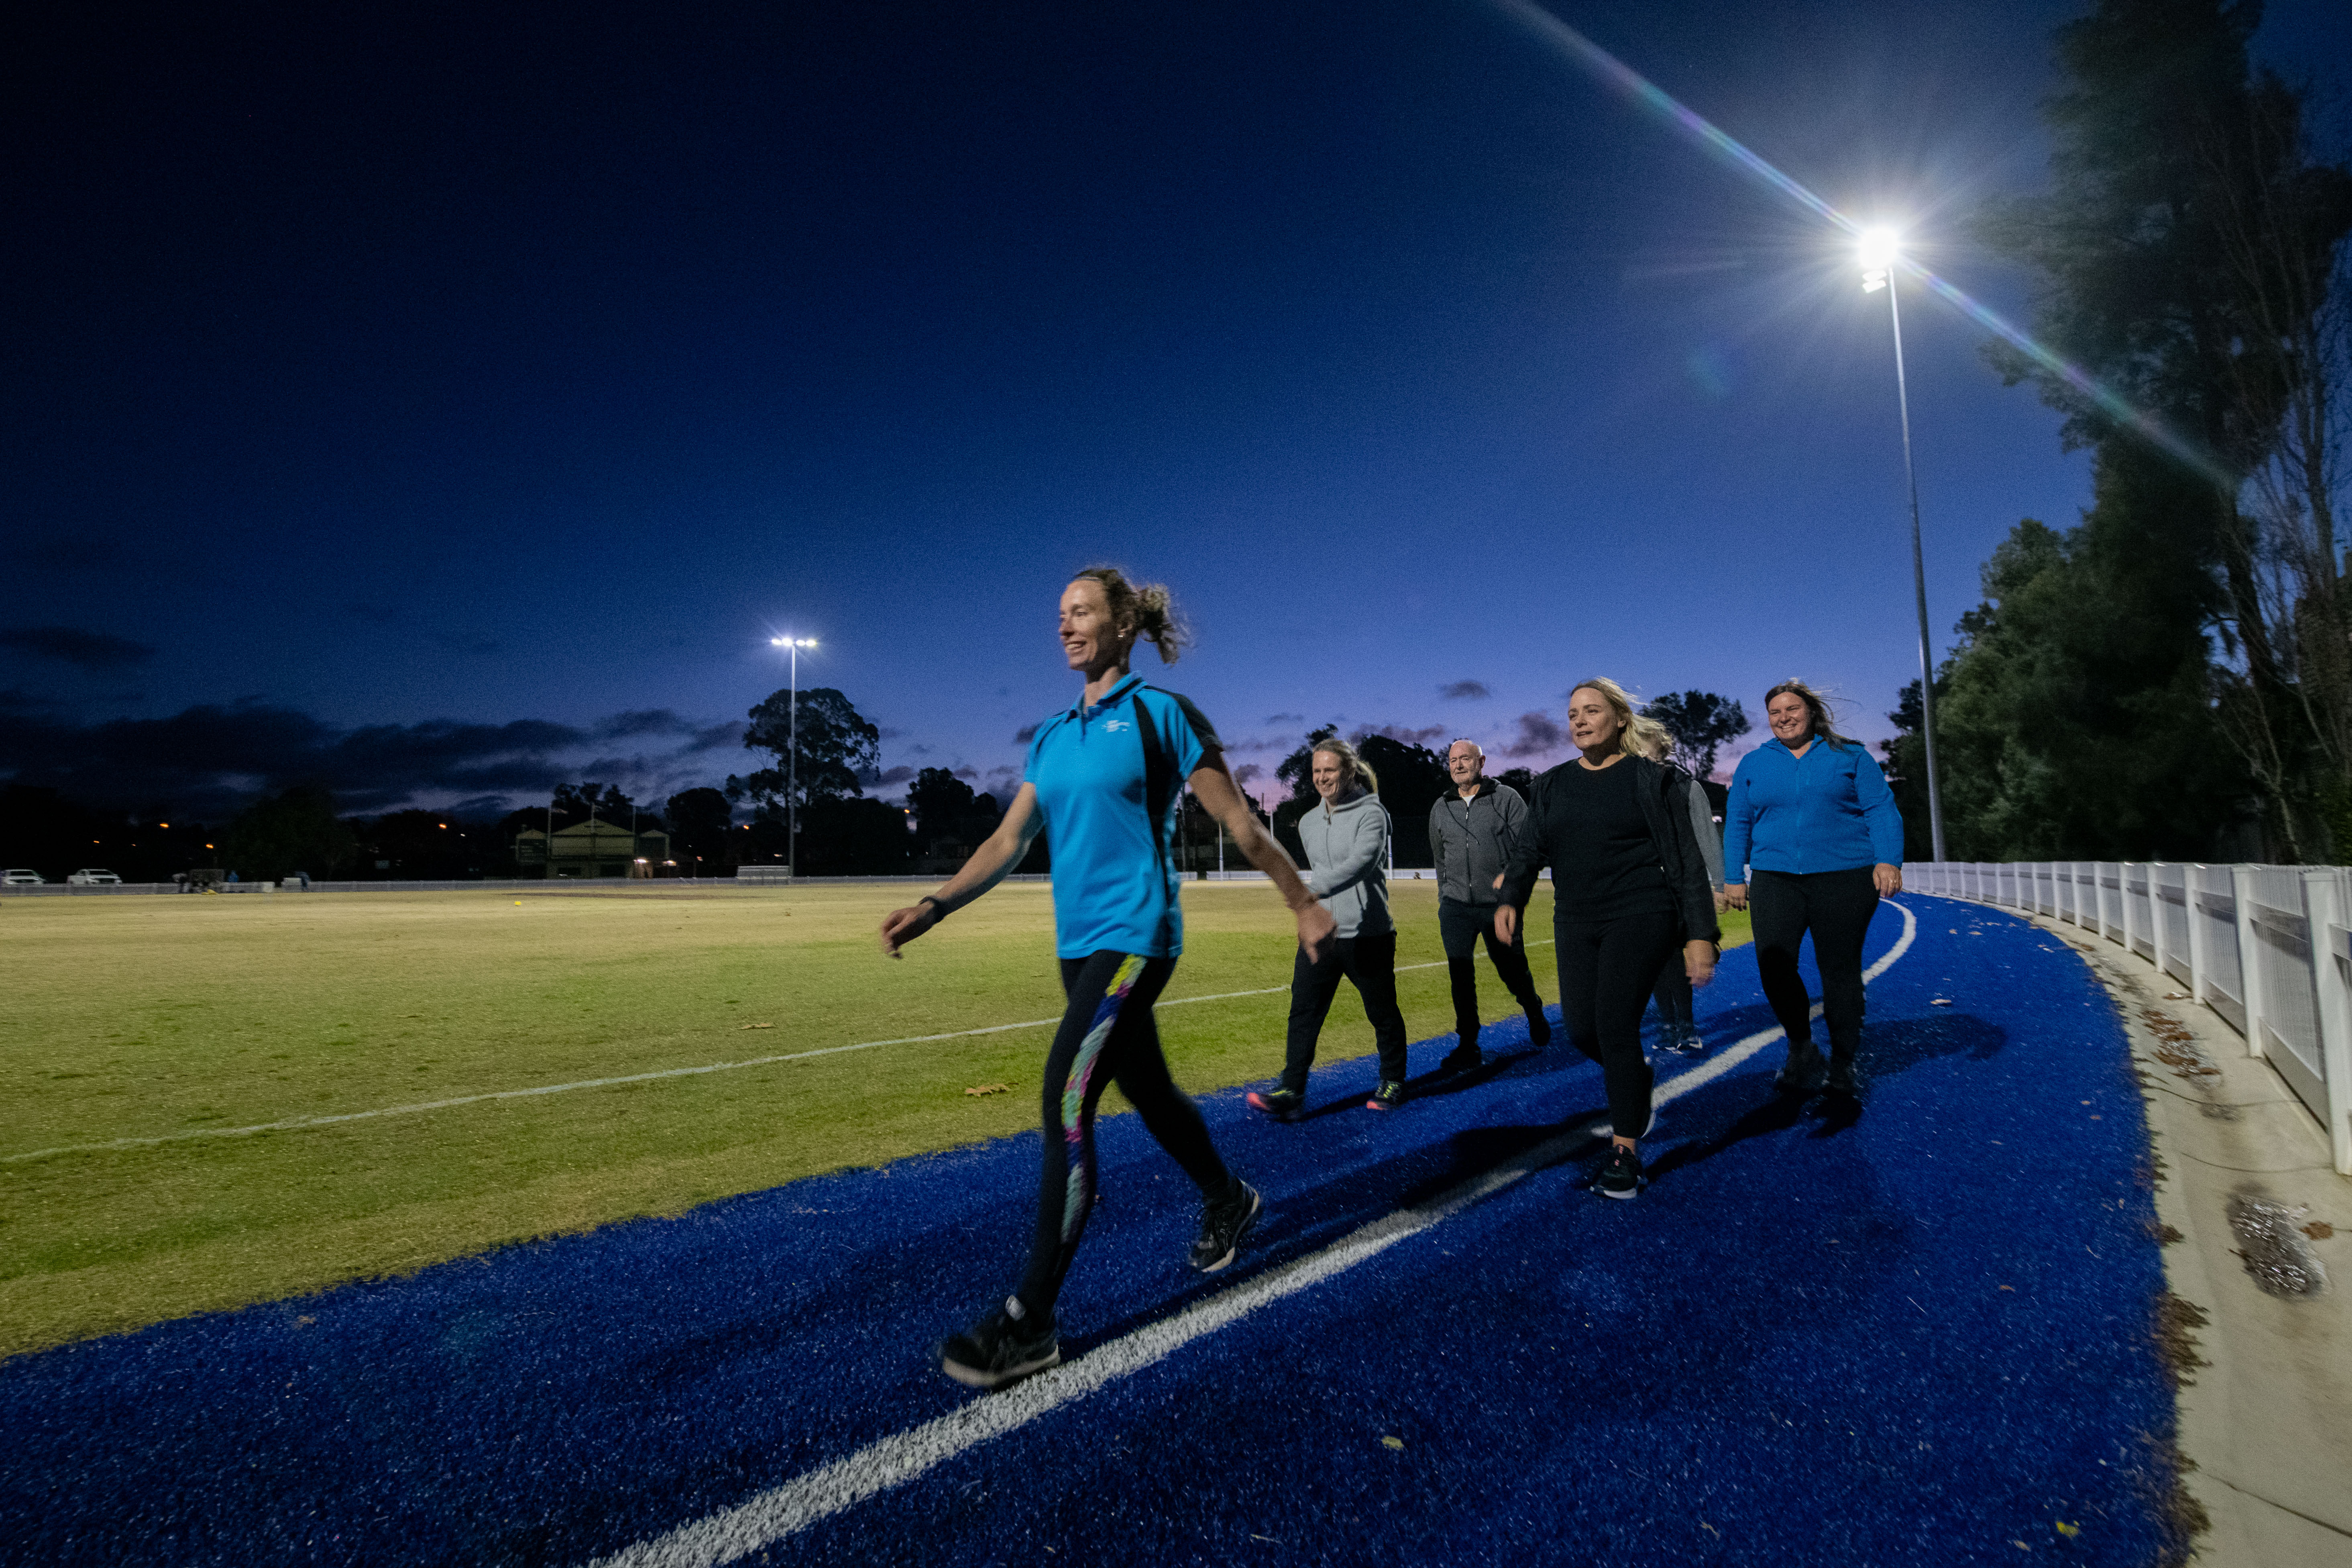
column 1916, row 1333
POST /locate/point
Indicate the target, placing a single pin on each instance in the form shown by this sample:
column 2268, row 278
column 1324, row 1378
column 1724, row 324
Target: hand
column 1506, row 924
column 1316, row 927
column 1735, row 896
column 1499, row 882
column 1889, row 879
column 900, row 927
column 1698, row 962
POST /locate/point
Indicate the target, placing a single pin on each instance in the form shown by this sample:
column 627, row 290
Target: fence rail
column 2268, row 949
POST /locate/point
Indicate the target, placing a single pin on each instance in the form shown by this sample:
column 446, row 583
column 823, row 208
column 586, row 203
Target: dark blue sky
column 494, row 381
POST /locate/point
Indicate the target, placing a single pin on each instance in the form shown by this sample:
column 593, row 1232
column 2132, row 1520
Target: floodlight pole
column 792, row 768
column 1918, row 578
column 793, row 753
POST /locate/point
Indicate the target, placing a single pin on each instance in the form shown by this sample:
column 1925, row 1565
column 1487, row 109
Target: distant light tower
column 793, row 756
column 1880, row 249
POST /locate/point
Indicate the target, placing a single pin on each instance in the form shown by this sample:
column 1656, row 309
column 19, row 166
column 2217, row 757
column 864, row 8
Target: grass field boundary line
column 303, row 1124
column 733, row 1533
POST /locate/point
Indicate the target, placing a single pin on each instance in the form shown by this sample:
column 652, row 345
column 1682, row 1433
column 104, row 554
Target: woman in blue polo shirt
column 1814, row 832
column 1102, row 783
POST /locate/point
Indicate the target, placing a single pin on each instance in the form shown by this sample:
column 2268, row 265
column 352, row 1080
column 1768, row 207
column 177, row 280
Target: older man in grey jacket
column 1473, row 829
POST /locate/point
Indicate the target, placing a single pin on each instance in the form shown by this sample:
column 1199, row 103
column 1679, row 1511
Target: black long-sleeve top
column 1600, row 866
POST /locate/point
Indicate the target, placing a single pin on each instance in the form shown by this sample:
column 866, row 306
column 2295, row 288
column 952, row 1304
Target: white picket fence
column 2267, row 948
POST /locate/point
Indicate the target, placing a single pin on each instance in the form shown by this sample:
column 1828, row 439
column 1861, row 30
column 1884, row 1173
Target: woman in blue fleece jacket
column 1811, row 824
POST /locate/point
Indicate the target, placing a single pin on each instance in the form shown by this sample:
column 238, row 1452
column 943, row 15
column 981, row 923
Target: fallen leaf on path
column 758, row 1025
column 1392, row 1442
column 990, row 1088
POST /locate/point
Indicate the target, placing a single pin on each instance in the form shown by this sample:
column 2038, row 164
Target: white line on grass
column 806, row 1499
column 294, row 1123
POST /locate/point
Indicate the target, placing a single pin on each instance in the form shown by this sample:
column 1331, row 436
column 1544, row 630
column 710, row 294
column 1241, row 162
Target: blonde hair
column 1349, row 762
column 1146, row 609
column 1817, row 712
column 1640, row 736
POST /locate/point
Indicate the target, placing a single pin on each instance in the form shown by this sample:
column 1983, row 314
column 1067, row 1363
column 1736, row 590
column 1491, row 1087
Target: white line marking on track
column 295, row 1123
column 806, row 1499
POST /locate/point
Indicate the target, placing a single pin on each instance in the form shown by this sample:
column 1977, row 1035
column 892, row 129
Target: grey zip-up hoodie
column 1473, row 840
column 1346, row 856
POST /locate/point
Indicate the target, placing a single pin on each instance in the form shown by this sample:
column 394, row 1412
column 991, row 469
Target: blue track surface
column 1913, row 1334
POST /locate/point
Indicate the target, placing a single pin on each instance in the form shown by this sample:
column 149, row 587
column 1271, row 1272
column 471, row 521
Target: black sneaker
column 1802, row 1073
column 1224, row 1222
column 1841, row 1080
column 1388, row 1097
column 1000, row 1349
column 1464, row 1057
column 1621, row 1176
column 1281, row 1104
column 1684, row 1041
column 1538, row 1029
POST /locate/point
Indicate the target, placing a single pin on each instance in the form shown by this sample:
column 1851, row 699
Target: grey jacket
column 1710, row 837
column 1473, row 840
column 1346, row 856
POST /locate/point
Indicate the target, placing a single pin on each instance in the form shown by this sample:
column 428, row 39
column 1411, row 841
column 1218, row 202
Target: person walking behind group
column 1472, row 831
column 1812, row 835
column 1679, row 1030
column 1346, row 836
column 1629, row 897
column 1102, row 783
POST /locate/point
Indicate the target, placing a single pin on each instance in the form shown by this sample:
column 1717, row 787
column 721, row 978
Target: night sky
column 444, row 400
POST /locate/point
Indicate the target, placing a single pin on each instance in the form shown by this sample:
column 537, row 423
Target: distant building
column 593, row 848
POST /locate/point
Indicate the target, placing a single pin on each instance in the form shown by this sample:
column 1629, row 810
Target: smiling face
column 1090, row 639
column 1791, row 718
column 1592, row 724
column 1464, row 761
column 1330, row 781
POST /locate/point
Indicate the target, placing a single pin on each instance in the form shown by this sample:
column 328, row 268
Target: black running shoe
column 1841, row 1080
column 1802, row 1074
column 1621, row 1176
column 1388, row 1097
column 1000, row 1349
column 1281, row 1104
column 1224, row 1222
column 1684, row 1041
column 1538, row 1029
column 1464, row 1057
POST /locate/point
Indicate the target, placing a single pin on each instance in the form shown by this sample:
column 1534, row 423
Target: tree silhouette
column 1700, row 722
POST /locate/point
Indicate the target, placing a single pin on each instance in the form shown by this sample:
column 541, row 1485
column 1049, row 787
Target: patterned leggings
column 1106, row 1035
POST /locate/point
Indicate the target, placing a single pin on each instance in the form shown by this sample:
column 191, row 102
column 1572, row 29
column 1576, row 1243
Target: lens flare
column 1608, row 68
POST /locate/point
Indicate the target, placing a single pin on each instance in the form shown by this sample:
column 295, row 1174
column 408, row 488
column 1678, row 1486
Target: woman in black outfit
column 1630, row 895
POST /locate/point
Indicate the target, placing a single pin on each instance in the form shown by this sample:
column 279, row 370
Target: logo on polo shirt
column 1117, row 724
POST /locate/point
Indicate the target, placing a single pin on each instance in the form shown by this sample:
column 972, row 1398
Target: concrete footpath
column 2260, row 1273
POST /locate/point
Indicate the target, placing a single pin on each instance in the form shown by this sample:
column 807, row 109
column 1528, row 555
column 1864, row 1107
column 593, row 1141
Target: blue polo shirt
column 1108, row 778
column 1829, row 810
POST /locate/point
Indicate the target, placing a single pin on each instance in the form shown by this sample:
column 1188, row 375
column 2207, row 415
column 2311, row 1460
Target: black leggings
column 1106, row 1035
column 1836, row 907
column 1370, row 962
column 1607, row 971
column 1459, row 927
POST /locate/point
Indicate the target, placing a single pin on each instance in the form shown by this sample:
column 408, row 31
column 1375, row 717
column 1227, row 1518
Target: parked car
column 91, row 876
column 18, row 876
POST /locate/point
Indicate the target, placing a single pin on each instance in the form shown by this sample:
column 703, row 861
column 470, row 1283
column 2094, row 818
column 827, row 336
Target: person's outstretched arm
column 1739, row 823
column 1212, row 785
column 1883, row 820
column 1518, row 883
column 988, row 863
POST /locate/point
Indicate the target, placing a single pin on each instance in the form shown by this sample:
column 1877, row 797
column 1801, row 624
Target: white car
column 91, row 876
column 18, row 876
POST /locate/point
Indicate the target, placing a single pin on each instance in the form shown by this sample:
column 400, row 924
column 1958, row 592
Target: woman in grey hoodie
column 1345, row 835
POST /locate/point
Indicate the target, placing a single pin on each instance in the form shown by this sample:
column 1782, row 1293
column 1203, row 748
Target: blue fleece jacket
column 1829, row 810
